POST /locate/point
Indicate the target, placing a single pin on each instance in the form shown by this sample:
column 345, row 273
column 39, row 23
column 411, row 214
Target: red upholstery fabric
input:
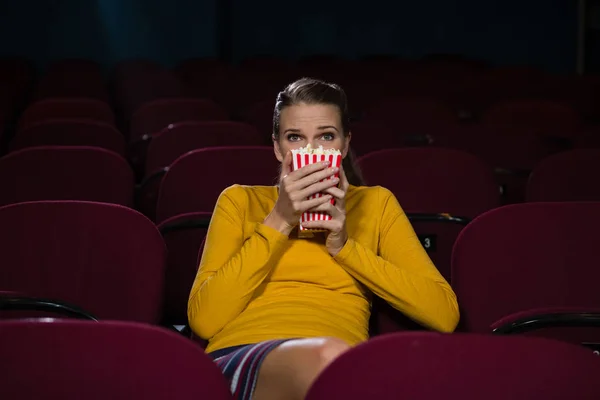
column 183, row 247
column 183, row 137
column 431, row 366
column 433, row 180
column 107, row 259
column 567, row 176
column 195, row 180
column 78, row 108
column 70, row 132
column 512, row 151
column 154, row 116
column 65, row 173
column 526, row 256
column 499, row 146
column 180, row 138
column 72, row 360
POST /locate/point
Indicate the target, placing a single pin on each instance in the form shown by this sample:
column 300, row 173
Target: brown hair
column 313, row 91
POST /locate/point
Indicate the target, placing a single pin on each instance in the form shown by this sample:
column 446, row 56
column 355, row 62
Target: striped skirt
column 240, row 365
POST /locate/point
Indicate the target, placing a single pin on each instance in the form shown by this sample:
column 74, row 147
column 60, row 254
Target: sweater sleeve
column 232, row 266
column 402, row 273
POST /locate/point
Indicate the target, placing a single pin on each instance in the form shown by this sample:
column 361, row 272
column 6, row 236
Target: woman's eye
column 293, row 138
column 328, row 136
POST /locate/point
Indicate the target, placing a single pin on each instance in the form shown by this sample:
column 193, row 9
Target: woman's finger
column 336, row 192
column 314, row 203
column 308, row 170
column 313, row 178
column 329, row 225
column 286, row 166
column 324, row 208
column 328, row 208
column 317, row 187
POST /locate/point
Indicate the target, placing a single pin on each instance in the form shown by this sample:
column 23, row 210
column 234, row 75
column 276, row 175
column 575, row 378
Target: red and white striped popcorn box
column 306, row 156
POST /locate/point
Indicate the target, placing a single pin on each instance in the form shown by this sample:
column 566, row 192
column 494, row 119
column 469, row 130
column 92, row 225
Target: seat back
column 108, row 360
column 77, row 108
column 460, row 366
column 180, row 138
column 107, row 259
column 195, row 180
column 184, row 236
column 70, row 132
column 434, row 181
column 65, row 173
column 567, row 176
column 526, row 256
column 156, row 115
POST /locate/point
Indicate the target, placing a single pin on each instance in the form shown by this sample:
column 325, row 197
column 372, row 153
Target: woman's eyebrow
column 328, row 127
column 292, row 131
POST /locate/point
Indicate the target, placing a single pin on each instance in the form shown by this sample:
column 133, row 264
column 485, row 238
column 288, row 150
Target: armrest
column 541, row 318
column 441, row 217
column 513, row 171
column 183, row 222
column 141, row 140
column 151, row 178
column 20, row 303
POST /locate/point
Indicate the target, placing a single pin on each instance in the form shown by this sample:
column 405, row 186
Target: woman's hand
column 337, row 236
column 294, row 189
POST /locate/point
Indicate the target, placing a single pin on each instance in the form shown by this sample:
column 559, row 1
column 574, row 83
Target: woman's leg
column 288, row 370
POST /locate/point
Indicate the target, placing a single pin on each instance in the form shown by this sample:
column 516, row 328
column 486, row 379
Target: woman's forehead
column 311, row 114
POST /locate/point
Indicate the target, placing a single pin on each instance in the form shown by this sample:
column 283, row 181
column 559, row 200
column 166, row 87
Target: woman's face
column 314, row 124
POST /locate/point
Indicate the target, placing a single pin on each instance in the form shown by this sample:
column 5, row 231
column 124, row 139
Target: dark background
column 541, row 33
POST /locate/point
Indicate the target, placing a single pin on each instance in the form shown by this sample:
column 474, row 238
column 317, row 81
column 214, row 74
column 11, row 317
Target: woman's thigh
column 289, row 370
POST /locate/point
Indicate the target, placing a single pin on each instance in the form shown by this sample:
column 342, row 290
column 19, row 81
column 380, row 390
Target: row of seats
column 402, row 114
column 464, row 84
column 87, row 360
column 443, row 189
column 85, row 250
column 511, row 152
column 424, row 179
column 147, row 99
column 511, row 136
column 510, row 266
column 405, row 115
column 459, row 84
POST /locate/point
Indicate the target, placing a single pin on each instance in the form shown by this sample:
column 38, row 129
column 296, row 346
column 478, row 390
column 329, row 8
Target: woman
column 277, row 309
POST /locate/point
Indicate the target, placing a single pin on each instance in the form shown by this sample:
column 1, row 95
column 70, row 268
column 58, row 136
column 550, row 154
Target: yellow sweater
column 256, row 284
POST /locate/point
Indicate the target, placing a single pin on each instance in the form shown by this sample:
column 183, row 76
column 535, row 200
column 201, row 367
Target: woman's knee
column 330, row 349
column 290, row 369
column 322, row 349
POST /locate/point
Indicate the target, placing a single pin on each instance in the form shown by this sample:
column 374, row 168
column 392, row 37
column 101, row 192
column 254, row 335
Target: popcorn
column 305, row 156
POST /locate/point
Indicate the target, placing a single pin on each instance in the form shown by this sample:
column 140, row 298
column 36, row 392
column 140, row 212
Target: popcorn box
column 305, row 156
